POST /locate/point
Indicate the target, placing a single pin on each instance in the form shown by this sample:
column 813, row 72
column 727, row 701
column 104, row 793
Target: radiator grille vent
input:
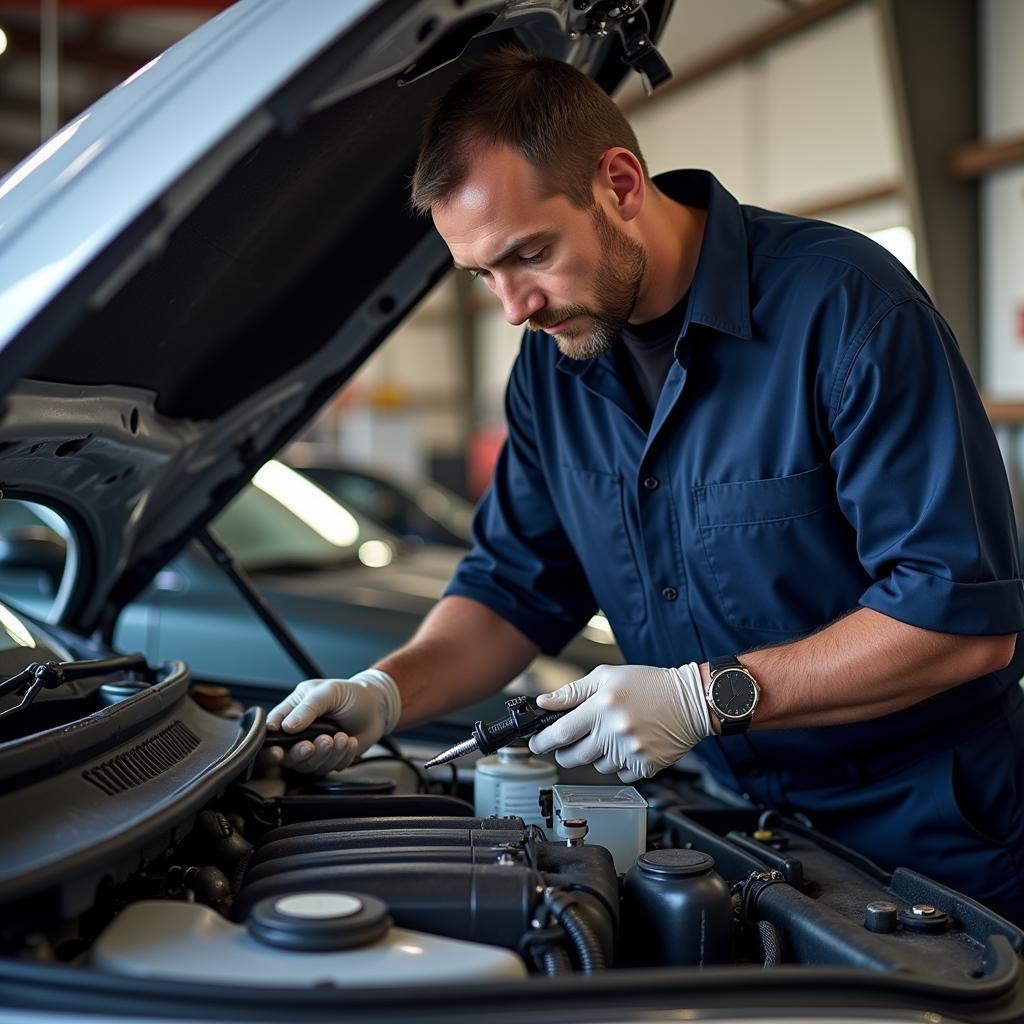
column 146, row 761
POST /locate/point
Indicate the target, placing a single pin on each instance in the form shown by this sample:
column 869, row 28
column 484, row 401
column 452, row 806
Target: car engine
column 148, row 841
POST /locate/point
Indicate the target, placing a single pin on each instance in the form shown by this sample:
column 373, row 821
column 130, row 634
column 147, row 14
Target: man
column 750, row 439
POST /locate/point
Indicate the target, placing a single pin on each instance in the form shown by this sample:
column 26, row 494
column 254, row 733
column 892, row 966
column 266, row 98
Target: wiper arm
column 50, row 675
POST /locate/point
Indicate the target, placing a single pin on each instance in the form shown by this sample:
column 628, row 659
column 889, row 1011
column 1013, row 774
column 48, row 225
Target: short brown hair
column 554, row 116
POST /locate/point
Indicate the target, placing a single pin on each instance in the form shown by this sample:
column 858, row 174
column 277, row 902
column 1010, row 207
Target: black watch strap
column 725, row 661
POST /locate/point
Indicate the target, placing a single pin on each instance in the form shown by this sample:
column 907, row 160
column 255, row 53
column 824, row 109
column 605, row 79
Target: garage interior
column 824, row 108
column 162, row 834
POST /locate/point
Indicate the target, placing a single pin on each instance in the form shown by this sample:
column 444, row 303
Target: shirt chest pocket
column 593, row 515
column 780, row 553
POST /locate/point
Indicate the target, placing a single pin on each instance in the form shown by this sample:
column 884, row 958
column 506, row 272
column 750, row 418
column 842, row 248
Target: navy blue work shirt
column 818, row 445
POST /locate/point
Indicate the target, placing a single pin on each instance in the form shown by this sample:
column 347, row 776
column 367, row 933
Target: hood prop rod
column 284, row 636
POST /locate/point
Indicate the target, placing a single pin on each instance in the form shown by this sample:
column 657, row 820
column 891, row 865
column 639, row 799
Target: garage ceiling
column 104, row 41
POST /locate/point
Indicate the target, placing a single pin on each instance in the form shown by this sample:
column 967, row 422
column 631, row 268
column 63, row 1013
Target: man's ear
column 620, row 178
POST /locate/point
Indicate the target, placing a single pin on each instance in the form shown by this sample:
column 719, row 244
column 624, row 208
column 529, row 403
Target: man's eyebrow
column 510, row 250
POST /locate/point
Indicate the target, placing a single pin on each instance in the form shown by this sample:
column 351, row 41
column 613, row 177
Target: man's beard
column 619, row 277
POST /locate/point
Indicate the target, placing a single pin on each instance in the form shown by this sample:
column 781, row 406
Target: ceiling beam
column 742, row 49
column 121, row 6
column 837, row 201
column 977, row 159
column 23, row 41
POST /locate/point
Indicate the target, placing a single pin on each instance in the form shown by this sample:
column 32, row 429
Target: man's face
column 555, row 267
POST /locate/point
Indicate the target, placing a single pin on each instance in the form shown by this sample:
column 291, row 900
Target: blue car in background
column 348, row 589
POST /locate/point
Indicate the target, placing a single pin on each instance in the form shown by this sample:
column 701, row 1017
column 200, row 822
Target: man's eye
column 534, row 257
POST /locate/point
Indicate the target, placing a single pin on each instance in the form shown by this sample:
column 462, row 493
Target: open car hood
column 195, row 264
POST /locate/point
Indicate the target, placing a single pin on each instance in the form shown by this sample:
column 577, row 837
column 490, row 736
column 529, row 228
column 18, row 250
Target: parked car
column 187, row 271
column 347, row 589
column 426, row 511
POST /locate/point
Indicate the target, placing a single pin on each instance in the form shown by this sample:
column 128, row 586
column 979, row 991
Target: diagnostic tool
column 523, row 720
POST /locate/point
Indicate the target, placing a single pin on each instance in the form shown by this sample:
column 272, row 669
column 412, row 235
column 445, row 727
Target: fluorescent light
column 3, row 40
column 375, row 554
column 316, row 508
column 15, row 628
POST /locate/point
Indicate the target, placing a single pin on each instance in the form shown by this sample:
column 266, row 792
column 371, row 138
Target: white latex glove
column 630, row 719
column 366, row 707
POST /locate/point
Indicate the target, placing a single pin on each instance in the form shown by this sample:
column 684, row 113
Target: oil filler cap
column 319, row 921
column 675, row 863
column 923, row 917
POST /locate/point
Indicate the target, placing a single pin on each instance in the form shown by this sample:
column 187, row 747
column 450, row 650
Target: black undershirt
column 646, row 355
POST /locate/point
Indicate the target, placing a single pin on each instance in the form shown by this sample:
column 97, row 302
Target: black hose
column 555, row 960
column 769, row 936
column 588, row 948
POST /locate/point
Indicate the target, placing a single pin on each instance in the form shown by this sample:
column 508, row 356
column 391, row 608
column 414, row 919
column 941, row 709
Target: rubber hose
column 555, row 960
column 769, row 937
column 588, row 949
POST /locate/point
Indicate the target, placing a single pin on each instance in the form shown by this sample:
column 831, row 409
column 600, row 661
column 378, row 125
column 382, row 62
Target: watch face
column 734, row 694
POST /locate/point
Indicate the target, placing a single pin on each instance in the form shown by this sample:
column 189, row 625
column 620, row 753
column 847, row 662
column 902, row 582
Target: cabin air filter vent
column 152, row 757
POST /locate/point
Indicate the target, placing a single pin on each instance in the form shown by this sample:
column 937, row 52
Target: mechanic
column 751, row 440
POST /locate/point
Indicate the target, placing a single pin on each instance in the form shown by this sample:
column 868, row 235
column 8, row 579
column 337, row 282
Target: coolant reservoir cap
column 675, row 863
column 318, row 921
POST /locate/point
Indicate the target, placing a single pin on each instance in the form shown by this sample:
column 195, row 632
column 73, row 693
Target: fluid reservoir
column 677, row 911
column 302, row 939
column 508, row 783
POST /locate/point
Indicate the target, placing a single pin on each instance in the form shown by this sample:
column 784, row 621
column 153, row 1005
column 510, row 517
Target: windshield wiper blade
column 50, row 675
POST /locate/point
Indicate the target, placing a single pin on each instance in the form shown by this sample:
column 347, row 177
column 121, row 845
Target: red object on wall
column 1020, row 322
column 484, row 447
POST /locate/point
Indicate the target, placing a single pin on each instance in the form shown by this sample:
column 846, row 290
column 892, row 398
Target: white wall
column 807, row 119
column 1002, row 202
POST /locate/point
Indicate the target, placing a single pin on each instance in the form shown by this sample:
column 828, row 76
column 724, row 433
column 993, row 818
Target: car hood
column 195, row 264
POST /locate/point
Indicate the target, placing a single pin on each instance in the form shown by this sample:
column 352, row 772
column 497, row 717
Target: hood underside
column 194, row 266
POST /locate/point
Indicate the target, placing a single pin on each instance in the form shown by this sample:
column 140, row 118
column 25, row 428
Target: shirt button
column 651, row 483
column 670, row 593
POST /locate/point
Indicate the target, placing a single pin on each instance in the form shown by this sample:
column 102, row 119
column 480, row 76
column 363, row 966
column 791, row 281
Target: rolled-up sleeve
column 523, row 566
column 920, row 476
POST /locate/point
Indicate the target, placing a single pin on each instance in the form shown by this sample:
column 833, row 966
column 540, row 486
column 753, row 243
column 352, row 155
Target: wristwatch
column 732, row 694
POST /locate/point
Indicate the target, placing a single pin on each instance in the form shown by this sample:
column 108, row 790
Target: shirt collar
column 720, row 290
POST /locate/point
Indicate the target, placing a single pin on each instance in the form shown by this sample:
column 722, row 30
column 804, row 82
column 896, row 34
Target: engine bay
column 150, row 843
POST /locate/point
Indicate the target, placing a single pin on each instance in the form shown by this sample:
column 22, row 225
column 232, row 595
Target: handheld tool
column 523, row 720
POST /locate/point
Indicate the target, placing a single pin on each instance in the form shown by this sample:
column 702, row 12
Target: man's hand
column 630, row 719
column 365, row 707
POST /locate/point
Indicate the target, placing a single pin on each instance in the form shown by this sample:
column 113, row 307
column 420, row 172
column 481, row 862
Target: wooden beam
column 742, row 49
column 1002, row 413
column 976, row 159
column 844, row 200
column 25, row 42
column 121, row 6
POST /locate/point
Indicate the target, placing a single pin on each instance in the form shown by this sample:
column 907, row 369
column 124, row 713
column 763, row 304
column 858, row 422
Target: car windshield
column 284, row 521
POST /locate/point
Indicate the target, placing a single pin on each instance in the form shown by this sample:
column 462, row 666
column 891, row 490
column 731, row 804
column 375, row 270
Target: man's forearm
column 862, row 666
column 461, row 653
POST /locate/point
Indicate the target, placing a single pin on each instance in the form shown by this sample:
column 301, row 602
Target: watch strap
column 724, row 661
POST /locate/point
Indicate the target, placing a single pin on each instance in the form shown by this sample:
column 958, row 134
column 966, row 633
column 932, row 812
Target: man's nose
column 520, row 301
